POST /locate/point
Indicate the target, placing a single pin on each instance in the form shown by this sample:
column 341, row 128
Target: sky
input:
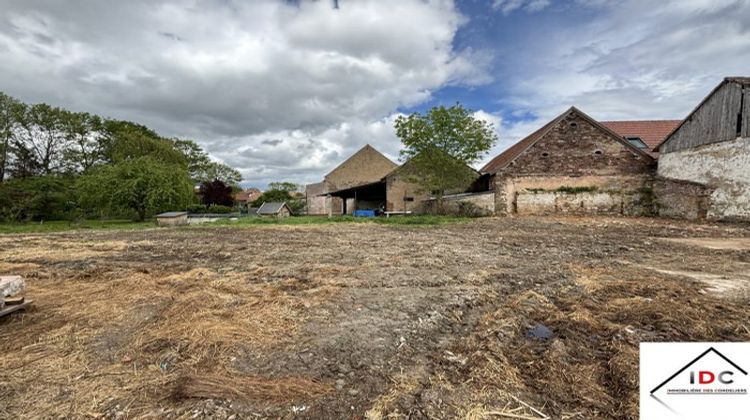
column 286, row 90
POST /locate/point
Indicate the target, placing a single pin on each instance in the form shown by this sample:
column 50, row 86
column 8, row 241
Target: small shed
column 172, row 218
column 275, row 209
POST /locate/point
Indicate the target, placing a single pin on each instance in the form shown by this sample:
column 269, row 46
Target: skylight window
column 637, row 142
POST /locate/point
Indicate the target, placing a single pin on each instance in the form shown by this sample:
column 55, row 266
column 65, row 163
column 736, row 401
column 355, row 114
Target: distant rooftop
column 651, row 132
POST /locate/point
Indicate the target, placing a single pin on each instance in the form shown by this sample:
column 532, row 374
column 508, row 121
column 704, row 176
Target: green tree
column 440, row 145
column 273, row 196
column 85, row 147
column 10, row 108
column 36, row 198
column 289, row 187
column 143, row 185
column 202, row 168
column 40, row 139
column 123, row 140
column 221, row 172
column 282, row 192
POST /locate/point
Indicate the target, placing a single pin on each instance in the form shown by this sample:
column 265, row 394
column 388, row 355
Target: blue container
column 364, row 213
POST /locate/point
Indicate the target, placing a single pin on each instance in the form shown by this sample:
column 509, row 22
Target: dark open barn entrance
column 362, row 197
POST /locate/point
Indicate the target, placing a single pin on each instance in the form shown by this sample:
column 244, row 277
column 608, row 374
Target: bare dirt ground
column 494, row 318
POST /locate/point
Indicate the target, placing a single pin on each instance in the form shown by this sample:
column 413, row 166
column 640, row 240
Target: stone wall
column 681, row 199
column 722, row 167
column 594, row 202
column 574, row 152
column 615, row 194
column 469, row 204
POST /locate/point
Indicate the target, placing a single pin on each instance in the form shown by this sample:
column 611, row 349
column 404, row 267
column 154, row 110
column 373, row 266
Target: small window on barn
column 573, row 125
column 545, row 154
column 598, row 152
column 408, row 198
column 637, row 142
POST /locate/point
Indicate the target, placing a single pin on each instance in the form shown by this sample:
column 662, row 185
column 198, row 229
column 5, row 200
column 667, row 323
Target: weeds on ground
column 131, row 341
column 322, row 220
column 66, row 225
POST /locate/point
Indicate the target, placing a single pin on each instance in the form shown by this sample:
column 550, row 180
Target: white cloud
column 637, row 60
column 234, row 73
column 268, row 155
column 509, row 6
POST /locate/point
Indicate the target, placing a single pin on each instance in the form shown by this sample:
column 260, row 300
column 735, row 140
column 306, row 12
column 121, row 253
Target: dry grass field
column 362, row 320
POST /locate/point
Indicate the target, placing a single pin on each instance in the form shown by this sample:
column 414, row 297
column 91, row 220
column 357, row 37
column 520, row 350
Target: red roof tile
column 652, row 132
column 250, row 194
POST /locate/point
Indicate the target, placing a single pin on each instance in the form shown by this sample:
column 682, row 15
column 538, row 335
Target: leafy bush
column 212, row 209
column 297, row 205
column 39, row 198
column 143, row 185
column 273, row 196
column 218, row 209
column 197, row 208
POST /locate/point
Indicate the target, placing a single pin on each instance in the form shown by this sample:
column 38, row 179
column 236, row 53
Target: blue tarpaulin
column 364, row 213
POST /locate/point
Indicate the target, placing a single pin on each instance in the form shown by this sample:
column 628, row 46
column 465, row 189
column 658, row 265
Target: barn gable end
column 711, row 148
column 723, row 115
column 573, row 164
column 576, row 145
column 365, row 166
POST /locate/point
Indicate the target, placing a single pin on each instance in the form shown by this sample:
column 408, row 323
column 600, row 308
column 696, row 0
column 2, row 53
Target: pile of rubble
column 11, row 294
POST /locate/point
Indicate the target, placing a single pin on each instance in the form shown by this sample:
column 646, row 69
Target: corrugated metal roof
column 272, row 208
column 172, row 214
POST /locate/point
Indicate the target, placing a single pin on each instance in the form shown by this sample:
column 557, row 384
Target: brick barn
column 366, row 167
column 575, row 164
column 370, row 181
column 704, row 164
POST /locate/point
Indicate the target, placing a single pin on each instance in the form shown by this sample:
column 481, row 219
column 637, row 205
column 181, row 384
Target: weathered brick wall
column 363, row 167
column 575, row 147
column 474, row 204
column 681, row 199
column 573, row 153
column 403, row 195
column 723, row 167
column 316, row 204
